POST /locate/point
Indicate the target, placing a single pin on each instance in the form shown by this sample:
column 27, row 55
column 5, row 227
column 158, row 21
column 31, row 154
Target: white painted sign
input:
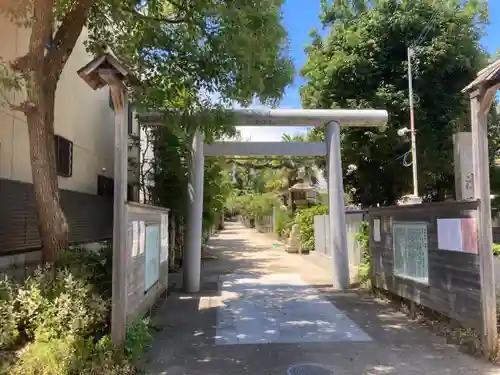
column 458, row 235
column 135, row 238
column 449, row 234
column 142, row 238
column 376, row 230
column 164, row 238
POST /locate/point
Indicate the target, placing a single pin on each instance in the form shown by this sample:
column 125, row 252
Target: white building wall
column 82, row 115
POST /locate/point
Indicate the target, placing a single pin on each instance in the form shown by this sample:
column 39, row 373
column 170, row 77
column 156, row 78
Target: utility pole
column 412, row 125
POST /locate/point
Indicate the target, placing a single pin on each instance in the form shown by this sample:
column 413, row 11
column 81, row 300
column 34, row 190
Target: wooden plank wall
column 454, row 282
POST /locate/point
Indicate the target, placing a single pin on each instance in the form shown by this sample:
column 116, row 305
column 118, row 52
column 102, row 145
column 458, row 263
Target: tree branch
column 66, row 36
column 174, row 21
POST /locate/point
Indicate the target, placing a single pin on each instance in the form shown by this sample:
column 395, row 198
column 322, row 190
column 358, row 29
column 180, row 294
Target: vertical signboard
column 464, row 177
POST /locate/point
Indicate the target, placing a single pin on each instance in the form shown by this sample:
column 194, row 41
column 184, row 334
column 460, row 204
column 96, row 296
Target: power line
column 425, row 31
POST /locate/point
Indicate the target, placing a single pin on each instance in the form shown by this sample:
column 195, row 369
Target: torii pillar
column 482, row 93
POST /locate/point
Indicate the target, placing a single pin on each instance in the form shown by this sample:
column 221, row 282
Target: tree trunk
column 39, row 110
column 41, row 69
column 53, row 227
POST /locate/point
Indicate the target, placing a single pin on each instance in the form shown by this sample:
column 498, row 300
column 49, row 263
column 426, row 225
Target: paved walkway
column 263, row 311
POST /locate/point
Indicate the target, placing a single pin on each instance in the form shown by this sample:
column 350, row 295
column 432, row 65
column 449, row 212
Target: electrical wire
column 428, row 26
column 406, row 163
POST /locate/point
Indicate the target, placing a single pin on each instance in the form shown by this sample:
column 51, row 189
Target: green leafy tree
column 363, row 64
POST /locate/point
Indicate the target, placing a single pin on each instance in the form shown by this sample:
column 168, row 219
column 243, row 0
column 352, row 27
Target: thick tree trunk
column 39, row 110
column 42, row 70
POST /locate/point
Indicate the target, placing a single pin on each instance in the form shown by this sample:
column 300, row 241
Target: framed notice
column 457, row 234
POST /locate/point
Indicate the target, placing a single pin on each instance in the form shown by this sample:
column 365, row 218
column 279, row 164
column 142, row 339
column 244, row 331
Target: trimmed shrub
column 305, row 219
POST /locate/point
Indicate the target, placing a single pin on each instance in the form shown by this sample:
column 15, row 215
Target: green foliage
column 235, row 48
column 62, row 313
column 70, row 355
column 496, row 249
column 305, row 219
column 56, row 303
column 94, row 266
column 363, row 238
column 283, row 223
column 9, row 320
column 255, row 205
column 362, row 63
column 137, row 337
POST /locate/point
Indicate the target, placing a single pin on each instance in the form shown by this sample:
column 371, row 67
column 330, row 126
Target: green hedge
column 305, row 219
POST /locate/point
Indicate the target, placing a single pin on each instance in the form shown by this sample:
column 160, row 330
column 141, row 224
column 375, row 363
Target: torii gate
column 331, row 148
column 332, row 118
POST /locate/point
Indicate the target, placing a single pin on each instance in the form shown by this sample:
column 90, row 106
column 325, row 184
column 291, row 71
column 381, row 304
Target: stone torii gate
column 333, row 119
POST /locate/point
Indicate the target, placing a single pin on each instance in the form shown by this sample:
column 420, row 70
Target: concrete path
column 263, row 311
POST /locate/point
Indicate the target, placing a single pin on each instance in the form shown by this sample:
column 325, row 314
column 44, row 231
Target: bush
column 64, row 312
column 255, row 205
column 283, row 221
column 70, row 355
column 137, row 337
column 496, row 249
column 94, row 266
column 56, row 303
column 364, row 268
column 305, row 219
column 8, row 318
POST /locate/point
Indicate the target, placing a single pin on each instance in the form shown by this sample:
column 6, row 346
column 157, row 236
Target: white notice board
column 152, row 256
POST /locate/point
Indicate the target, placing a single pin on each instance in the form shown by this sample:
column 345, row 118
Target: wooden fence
column 428, row 254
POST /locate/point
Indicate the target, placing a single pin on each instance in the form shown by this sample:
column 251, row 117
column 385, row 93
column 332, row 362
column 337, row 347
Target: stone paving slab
column 281, row 309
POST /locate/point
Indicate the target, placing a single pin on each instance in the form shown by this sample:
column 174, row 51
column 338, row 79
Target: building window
column 105, row 186
column 411, row 251
column 64, row 156
column 130, row 193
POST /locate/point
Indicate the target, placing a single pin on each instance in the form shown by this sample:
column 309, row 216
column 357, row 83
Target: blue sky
column 299, row 20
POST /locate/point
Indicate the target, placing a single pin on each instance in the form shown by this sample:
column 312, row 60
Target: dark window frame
column 64, row 156
column 105, row 186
